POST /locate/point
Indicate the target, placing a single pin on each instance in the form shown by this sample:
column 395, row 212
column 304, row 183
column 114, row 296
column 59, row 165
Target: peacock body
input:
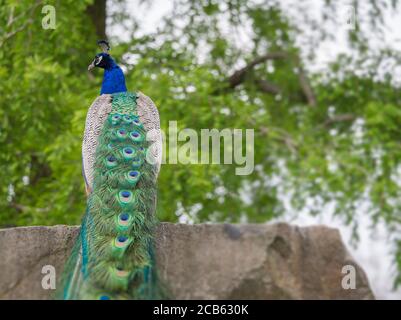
column 121, row 151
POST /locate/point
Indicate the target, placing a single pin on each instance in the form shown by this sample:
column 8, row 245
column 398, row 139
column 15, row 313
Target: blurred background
column 317, row 80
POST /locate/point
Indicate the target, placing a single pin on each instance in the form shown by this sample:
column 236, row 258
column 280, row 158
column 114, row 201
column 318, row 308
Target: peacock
column 121, row 155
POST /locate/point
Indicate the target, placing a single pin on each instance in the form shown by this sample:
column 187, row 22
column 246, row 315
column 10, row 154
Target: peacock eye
column 98, row 59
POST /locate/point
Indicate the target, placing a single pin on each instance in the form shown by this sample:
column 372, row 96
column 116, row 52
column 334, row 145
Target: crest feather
column 104, row 45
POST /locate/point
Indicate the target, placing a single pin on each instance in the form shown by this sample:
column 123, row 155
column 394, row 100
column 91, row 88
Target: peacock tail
column 113, row 255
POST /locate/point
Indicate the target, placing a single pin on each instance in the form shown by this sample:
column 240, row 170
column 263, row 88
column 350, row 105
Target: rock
column 204, row 261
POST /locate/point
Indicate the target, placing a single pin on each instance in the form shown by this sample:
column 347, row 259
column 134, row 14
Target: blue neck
column 110, row 63
column 113, row 78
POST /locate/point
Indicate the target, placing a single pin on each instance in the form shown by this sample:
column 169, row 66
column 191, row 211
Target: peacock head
column 103, row 59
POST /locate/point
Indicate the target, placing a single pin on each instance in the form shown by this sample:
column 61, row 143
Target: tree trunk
column 97, row 13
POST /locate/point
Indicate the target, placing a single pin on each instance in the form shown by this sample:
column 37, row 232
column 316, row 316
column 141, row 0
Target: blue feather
column 113, row 78
column 113, row 81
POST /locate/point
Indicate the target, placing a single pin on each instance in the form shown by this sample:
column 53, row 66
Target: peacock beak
column 91, row 66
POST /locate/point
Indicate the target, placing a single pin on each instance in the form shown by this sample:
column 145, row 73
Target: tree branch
column 12, row 19
column 23, row 208
column 11, row 34
column 239, row 76
column 282, row 137
column 267, row 87
column 339, row 118
column 306, row 87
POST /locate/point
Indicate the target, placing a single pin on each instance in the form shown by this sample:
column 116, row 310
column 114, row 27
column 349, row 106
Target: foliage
column 331, row 137
column 44, row 94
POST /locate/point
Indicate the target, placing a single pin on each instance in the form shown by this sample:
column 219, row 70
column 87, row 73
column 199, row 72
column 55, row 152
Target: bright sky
column 373, row 251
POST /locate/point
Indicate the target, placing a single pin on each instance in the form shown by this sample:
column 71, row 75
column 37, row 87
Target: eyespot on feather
column 114, row 119
column 136, row 136
column 127, row 119
column 111, row 161
column 132, row 177
column 125, row 197
column 137, row 123
column 128, row 153
column 137, row 162
column 121, row 134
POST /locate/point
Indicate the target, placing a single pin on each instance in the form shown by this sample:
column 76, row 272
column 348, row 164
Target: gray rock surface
column 205, row 261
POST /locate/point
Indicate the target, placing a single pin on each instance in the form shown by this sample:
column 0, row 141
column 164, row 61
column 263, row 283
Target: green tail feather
column 112, row 258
